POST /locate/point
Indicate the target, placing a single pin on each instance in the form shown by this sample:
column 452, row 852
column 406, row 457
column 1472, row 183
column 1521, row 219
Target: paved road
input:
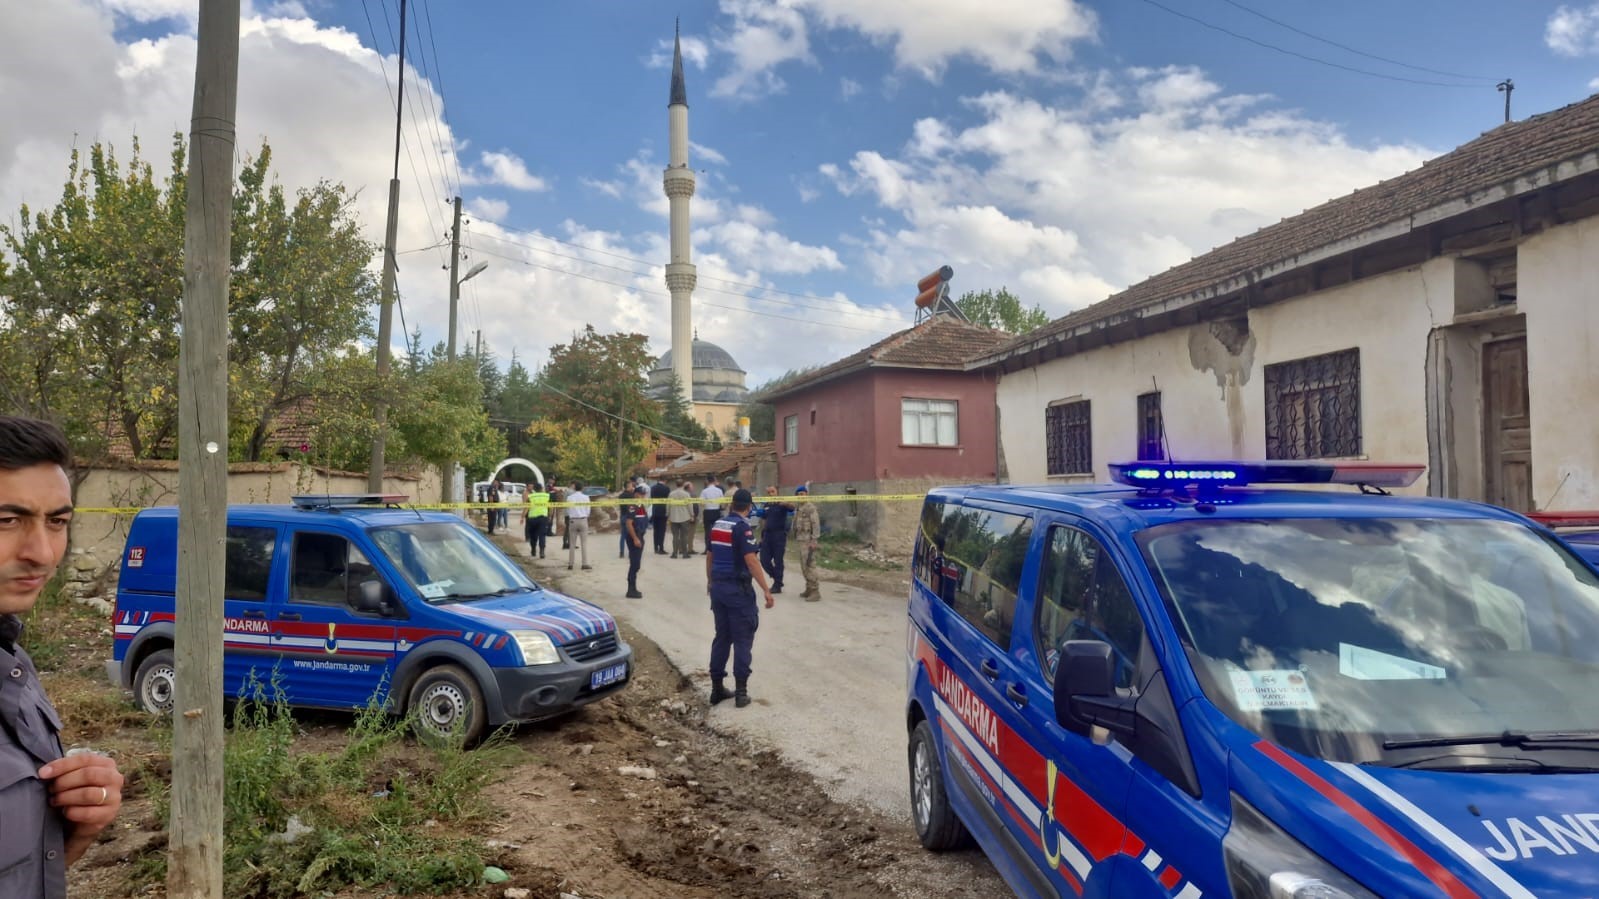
column 828, row 679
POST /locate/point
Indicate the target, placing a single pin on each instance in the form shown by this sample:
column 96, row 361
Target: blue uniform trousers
column 773, row 545
column 733, row 605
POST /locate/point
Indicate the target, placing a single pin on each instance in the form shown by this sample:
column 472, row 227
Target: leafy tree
column 302, row 288
column 439, row 416
column 1001, row 310
column 519, row 396
column 89, row 305
column 579, row 451
column 677, row 419
column 597, row 379
column 763, row 415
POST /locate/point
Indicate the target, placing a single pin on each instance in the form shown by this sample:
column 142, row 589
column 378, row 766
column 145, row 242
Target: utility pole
column 621, row 433
column 448, row 492
column 194, row 860
column 1507, row 87
column 380, row 412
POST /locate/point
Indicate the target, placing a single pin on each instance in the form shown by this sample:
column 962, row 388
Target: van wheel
column 155, row 682
column 936, row 824
column 447, row 707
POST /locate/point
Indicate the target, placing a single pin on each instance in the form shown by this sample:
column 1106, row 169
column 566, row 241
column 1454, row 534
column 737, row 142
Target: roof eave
column 1522, row 184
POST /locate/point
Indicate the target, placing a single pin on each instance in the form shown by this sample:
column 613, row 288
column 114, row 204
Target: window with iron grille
column 1151, row 427
column 1068, row 438
column 1313, row 407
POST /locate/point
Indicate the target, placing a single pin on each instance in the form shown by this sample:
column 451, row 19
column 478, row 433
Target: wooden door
column 1507, row 425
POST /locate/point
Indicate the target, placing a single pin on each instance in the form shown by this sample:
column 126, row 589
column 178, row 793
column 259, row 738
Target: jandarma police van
column 340, row 599
column 1184, row 685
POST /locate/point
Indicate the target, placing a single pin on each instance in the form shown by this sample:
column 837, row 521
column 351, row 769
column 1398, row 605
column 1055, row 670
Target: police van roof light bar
column 338, row 500
column 1166, row 475
column 1584, row 519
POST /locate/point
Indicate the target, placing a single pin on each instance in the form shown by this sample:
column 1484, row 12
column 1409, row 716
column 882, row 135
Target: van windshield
column 1342, row 638
column 449, row 562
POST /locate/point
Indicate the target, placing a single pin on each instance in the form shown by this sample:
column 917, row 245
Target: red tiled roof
column 1471, row 174
column 669, row 449
column 941, row 342
column 727, row 459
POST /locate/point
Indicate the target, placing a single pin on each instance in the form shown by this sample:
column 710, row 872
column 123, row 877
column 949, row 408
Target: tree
column 763, row 415
column 302, row 289
column 89, row 305
column 579, row 451
column 599, row 379
column 1001, row 310
column 677, row 419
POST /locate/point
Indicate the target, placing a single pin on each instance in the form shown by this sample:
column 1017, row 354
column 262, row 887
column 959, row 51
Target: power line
column 543, row 385
column 855, row 309
column 416, row 127
column 635, row 288
column 438, row 73
column 1305, row 56
column 431, row 104
column 1346, row 47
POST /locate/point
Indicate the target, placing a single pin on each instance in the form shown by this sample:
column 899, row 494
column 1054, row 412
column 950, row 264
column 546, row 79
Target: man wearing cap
column 52, row 807
column 730, row 566
column 807, row 529
column 635, row 526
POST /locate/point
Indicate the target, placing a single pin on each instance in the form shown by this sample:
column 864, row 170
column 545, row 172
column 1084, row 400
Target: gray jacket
column 33, row 862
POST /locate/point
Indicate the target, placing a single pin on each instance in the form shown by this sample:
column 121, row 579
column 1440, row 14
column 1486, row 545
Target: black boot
column 741, row 696
column 632, row 591
column 718, row 692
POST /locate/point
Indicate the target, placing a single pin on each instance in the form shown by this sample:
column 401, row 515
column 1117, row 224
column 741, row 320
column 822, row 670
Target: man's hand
column 770, row 600
column 88, row 790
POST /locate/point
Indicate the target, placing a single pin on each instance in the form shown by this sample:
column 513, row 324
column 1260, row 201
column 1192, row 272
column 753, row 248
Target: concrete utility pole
column 380, row 412
column 448, row 493
column 194, row 861
column 1507, row 87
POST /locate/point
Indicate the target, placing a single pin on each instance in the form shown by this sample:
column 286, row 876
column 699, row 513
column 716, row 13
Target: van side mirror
column 1085, row 690
column 373, row 597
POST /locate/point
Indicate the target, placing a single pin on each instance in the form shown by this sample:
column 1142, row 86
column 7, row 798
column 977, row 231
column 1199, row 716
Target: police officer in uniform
column 774, row 537
column 51, row 807
column 730, row 565
column 635, row 524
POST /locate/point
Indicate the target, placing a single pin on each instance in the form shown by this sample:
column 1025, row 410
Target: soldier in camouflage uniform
column 806, row 530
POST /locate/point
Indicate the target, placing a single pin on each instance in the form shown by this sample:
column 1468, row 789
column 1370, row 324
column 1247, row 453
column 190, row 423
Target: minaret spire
column 678, row 182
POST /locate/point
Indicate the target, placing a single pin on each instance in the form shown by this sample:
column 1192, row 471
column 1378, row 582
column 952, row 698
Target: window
column 327, row 569
column 1151, row 428
column 1313, row 407
column 1083, row 597
column 927, row 422
column 791, row 434
column 248, row 562
column 972, row 559
column 1067, row 438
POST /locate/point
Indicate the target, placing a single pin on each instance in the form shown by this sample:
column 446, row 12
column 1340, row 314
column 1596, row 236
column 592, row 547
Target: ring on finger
column 104, row 795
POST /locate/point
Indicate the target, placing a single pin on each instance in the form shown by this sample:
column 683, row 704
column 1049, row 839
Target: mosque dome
column 717, row 375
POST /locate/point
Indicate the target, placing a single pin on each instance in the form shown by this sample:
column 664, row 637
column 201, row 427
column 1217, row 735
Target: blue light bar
column 1158, row 475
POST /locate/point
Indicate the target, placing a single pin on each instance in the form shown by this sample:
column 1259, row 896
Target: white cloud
column 1573, row 31
column 612, row 189
column 754, row 247
column 762, row 36
column 488, row 208
column 1594, row 85
column 706, row 154
column 1069, row 207
column 695, row 52
column 505, row 169
column 848, row 88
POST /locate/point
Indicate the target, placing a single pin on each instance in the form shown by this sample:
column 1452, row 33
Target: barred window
column 1068, row 438
column 1313, row 407
column 927, row 422
column 1151, row 428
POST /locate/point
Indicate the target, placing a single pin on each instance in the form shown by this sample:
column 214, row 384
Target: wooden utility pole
column 194, row 861
column 380, row 412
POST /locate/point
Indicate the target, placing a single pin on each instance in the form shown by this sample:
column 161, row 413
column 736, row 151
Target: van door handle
column 288, row 616
column 990, row 669
column 253, row 613
column 1016, row 694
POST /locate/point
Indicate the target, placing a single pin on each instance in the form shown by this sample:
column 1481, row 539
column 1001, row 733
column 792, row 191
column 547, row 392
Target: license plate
column 607, row 676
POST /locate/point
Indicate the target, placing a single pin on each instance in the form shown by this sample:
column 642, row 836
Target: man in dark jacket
column 659, row 491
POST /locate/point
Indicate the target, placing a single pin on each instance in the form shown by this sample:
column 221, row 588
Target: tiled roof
column 669, row 449
column 1466, row 176
column 727, row 459
column 941, row 342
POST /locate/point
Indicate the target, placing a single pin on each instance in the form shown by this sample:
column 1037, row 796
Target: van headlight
column 537, row 647
column 1264, row 862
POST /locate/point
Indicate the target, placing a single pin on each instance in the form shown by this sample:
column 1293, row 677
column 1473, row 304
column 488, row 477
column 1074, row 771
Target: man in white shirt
column 577, row 525
column 711, row 504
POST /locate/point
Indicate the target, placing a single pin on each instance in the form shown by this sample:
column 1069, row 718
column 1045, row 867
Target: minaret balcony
column 678, row 182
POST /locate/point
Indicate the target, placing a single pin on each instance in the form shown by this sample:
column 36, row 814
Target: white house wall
column 1212, row 382
column 1557, row 284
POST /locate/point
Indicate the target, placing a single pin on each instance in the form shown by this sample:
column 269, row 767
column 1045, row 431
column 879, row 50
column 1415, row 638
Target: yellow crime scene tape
column 725, row 500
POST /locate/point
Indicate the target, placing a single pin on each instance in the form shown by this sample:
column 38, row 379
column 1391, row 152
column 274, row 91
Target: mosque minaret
column 679, row 184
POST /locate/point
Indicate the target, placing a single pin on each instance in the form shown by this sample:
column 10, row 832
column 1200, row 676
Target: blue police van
column 340, row 600
column 1198, row 682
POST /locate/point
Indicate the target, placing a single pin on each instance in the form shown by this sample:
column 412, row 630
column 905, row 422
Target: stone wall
column 888, row 526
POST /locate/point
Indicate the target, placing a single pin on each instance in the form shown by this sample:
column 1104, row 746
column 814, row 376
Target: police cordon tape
column 593, row 503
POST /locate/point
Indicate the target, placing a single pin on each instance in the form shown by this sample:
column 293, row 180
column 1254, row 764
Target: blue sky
column 1063, row 148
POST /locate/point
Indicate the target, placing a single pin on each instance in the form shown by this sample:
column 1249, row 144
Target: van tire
column 936, row 823
column 155, row 683
column 446, row 707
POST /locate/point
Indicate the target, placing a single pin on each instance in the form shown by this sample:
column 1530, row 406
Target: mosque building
column 712, row 383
